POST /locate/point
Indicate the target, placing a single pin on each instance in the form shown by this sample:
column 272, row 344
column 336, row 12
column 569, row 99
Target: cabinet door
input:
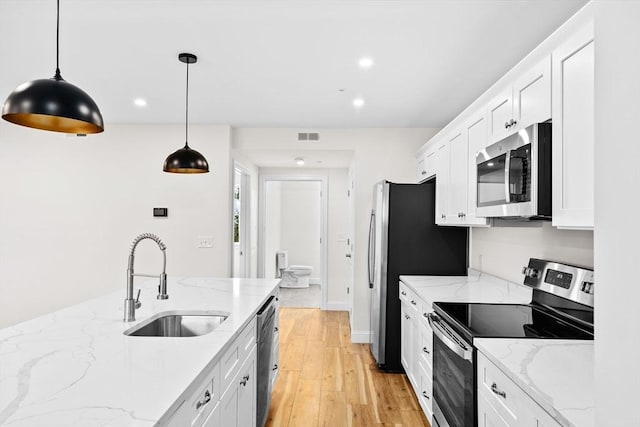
column 421, row 168
column 532, row 96
column 405, row 336
column 477, row 140
column 442, row 183
column 487, row 415
column 572, row 132
column 500, row 113
column 247, row 394
column 458, row 179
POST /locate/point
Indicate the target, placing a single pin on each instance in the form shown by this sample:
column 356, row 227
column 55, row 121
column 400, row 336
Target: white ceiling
column 277, row 63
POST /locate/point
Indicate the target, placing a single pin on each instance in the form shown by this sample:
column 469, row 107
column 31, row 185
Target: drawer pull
column 425, row 315
column 425, row 350
column 275, row 329
column 424, row 393
column 406, row 316
column 275, row 367
column 244, row 380
column 207, row 399
column 403, row 293
column 413, row 302
column 496, row 390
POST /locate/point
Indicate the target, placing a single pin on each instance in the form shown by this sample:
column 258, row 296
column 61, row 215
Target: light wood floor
column 325, row 380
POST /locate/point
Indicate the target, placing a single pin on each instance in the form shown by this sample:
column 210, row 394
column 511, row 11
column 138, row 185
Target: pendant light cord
column 58, row 76
column 186, row 119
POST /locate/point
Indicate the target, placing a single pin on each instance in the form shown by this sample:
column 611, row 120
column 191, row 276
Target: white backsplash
column 503, row 250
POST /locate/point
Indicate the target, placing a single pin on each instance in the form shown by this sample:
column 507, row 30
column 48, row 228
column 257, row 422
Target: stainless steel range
column 561, row 308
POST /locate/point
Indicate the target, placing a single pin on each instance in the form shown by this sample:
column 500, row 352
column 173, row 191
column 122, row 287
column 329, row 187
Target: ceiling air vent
column 308, row 136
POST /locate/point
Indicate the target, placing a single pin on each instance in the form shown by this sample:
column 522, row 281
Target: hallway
column 325, row 380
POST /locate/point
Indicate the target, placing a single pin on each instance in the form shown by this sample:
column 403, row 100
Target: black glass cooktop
column 476, row 320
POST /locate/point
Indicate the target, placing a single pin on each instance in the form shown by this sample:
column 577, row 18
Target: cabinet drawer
column 508, row 400
column 235, row 355
column 425, row 391
column 202, row 402
column 426, row 347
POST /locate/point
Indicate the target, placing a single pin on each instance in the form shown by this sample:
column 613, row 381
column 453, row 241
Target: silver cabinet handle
column 425, row 350
column 424, row 393
column 425, row 315
column 244, row 380
column 275, row 329
column 406, row 316
column 275, row 367
column 403, row 293
column 496, row 390
column 413, row 302
column 207, row 399
column 423, row 172
column 348, row 255
column 506, row 125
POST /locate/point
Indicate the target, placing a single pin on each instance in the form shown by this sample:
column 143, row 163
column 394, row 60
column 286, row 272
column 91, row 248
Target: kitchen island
column 75, row 367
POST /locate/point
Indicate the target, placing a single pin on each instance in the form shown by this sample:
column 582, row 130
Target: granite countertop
column 475, row 287
column 557, row 374
column 75, row 367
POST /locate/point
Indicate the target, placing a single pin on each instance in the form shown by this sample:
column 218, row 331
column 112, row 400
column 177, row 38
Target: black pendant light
column 53, row 104
column 186, row 160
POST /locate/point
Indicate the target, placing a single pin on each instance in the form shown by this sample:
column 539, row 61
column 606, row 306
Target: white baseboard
column 337, row 306
column 360, row 337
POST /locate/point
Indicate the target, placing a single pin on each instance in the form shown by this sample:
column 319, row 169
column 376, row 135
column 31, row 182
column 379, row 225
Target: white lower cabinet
column 238, row 403
column 227, row 396
column 502, row 403
column 416, row 347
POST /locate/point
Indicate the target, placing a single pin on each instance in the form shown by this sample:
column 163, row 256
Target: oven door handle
column 449, row 338
column 507, row 177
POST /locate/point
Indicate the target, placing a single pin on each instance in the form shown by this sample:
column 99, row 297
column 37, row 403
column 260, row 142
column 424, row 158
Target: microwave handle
column 507, row 177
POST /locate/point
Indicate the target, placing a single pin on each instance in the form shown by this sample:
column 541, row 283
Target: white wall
column 70, row 207
column 378, row 154
column 617, row 201
column 503, row 251
column 300, row 224
column 273, row 223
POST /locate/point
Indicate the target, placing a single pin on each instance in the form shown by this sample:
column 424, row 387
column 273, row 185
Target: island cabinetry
column 227, row 394
column 502, row 403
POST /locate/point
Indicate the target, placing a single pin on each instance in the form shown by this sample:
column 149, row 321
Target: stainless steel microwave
column 514, row 175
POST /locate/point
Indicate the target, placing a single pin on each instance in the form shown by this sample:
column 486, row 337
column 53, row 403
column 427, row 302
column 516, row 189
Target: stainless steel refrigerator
column 404, row 240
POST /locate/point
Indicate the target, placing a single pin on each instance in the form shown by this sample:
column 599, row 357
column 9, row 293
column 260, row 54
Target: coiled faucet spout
column 131, row 304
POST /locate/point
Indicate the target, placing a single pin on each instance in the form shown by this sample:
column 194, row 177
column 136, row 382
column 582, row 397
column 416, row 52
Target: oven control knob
column 531, row 272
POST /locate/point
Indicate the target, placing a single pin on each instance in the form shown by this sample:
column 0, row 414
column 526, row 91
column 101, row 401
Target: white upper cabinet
column 477, row 140
column 442, row 181
column 458, row 185
column 526, row 101
column 572, row 132
column 426, row 165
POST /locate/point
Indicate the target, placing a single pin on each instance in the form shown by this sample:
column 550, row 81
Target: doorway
column 240, row 252
column 293, row 221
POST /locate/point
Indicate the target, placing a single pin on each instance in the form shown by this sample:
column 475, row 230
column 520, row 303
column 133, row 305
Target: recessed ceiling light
column 299, row 161
column 358, row 102
column 365, row 63
column 140, row 102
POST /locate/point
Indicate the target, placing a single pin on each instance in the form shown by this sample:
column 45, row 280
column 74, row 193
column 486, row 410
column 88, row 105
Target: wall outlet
column 205, row 241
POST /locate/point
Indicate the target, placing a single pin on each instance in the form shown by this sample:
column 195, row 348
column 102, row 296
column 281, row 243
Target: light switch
column 205, row 241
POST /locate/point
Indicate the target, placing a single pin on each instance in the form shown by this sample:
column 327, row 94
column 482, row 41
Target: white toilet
column 293, row 276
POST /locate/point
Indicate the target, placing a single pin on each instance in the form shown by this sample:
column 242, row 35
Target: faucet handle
column 138, row 304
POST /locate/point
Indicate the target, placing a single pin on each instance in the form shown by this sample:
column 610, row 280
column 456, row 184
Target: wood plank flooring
column 325, row 380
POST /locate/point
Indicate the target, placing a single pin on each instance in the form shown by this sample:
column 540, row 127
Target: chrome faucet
column 130, row 304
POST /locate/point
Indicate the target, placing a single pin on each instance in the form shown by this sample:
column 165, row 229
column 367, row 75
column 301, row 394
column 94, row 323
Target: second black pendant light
column 186, row 159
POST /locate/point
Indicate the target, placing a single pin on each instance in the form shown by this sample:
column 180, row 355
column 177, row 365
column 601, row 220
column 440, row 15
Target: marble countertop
column 558, row 374
column 75, row 367
column 475, row 287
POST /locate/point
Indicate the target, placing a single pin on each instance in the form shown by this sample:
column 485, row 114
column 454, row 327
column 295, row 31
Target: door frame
column 245, row 219
column 323, row 179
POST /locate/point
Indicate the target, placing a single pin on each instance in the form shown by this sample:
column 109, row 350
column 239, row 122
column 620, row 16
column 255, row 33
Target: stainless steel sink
column 178, row 324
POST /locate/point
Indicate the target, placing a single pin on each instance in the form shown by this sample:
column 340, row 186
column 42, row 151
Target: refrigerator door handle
column 371, row 247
